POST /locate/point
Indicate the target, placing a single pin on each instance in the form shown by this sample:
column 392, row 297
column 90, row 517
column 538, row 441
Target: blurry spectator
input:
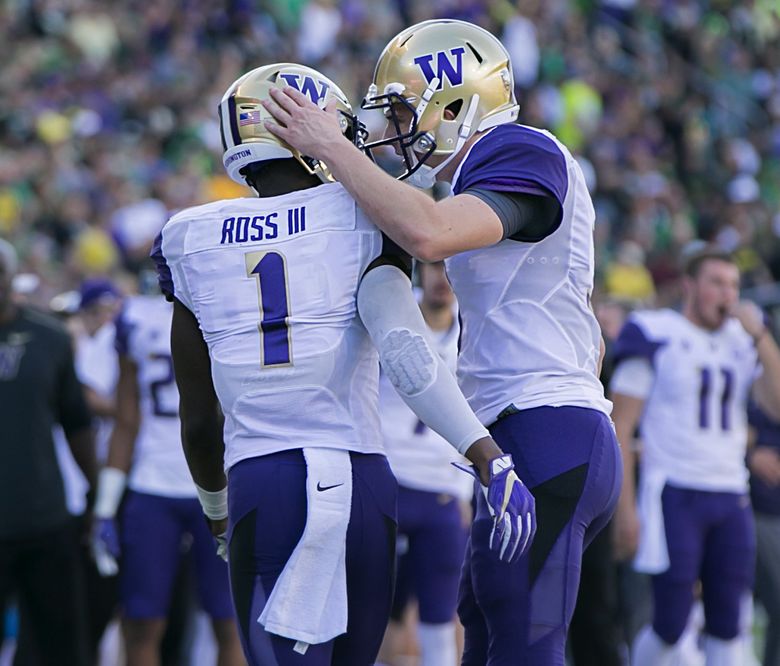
column 320, row 26
column 627, row 278
column 764, row 465
column 136, row 223
column 39, row 552
column 105, row 106
column 97, row 365
column 520, row 39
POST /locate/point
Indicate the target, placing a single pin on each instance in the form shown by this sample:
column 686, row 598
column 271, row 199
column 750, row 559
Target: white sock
column 746, row 632
column 686, row 650
column 437, row 644
column 650, row 650
column 723, row 653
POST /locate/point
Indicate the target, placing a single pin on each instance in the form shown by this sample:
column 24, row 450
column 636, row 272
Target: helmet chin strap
column 425, row 176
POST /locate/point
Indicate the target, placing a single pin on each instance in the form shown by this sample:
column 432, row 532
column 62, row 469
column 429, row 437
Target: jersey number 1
column 270, row 270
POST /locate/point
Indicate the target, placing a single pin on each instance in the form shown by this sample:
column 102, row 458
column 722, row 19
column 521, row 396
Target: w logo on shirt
column 10, row 357
column 448, row 63
column 314, row 89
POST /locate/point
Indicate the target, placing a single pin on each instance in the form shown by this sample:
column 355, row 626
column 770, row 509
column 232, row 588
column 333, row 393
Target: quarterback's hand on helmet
column 512, row 507
column 302, row 124
column 104, row 545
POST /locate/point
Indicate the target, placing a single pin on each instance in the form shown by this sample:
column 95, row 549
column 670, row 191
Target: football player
column 277, row 301
column 517, row 238
column 160, row 510
column 433, row 496
column 684, row 378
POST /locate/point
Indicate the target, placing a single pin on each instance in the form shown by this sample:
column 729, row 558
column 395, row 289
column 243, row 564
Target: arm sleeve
column 634, row 378
column 525, row 217
column 394, row 322
column 392, row 254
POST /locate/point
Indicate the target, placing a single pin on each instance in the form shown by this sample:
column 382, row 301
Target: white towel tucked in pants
column 309, row 601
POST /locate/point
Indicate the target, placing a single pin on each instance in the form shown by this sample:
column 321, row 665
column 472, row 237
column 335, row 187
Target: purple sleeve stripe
column 515, row 158
column 164, row 277
column 633, row 343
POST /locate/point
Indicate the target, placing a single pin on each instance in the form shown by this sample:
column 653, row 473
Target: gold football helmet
column 433, row 67
column 241, row 116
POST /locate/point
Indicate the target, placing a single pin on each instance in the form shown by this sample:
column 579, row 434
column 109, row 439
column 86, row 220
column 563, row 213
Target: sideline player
column 161, row 507
column 433, row 496
column 277, row 301
column 685, row 378
column 517, row 237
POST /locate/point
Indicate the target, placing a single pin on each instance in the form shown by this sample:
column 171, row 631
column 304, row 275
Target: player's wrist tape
column 111, row 486
column 214, row 504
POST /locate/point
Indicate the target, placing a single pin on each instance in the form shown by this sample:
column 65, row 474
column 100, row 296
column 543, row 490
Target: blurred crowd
column 108, row 121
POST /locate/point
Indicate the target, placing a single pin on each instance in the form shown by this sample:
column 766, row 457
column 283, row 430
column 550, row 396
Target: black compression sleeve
column 392, row 255
column 525, row 217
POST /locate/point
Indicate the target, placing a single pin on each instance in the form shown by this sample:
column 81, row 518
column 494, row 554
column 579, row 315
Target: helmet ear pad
column 448, row 122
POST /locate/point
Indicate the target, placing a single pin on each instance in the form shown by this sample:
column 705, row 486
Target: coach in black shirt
column 38, row 548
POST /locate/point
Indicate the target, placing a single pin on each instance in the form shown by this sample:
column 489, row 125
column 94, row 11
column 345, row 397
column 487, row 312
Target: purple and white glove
column 104, row 544
column 512, row 507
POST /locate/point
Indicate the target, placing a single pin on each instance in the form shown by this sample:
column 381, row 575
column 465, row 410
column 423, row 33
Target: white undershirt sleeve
column 633, row 377
column 393, row 319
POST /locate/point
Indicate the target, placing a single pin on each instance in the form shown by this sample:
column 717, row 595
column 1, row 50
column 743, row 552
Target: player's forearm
column 405, row 214
column 82, row 446
column 769, row 383
column 121, row 445
column 625, row 436
column 204, row 450
column 99, row 405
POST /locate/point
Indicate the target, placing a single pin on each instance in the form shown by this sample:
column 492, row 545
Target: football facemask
column 436, row 67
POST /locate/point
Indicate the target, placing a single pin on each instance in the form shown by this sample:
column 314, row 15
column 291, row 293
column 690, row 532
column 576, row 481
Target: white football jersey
column 143, row 333
column 420, row 458
column 273, row 284
column 97, row 366
column 529, row 335
column 694, row 423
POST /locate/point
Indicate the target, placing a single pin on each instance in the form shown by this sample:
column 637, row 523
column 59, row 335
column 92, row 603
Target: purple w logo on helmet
column 309, row 86
column 449, row 64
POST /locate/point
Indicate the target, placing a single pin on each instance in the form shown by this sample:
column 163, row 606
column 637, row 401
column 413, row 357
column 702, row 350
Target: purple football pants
column 431, row 524
column 710, row 537
column 518, row 614
column 267, row 507
column 152, row 529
